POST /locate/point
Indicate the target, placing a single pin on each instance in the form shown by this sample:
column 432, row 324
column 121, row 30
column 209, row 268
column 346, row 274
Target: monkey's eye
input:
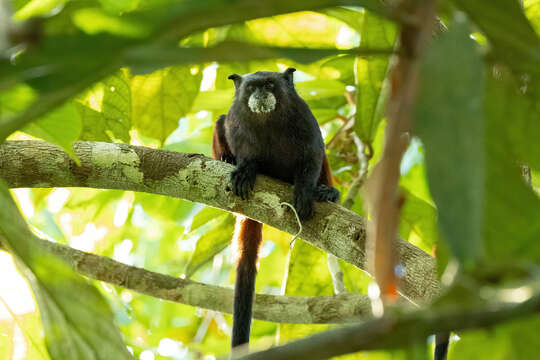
column 269, row 86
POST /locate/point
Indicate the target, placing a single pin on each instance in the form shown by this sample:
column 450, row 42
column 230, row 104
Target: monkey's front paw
column 326, row 193
column 303, row 203
column 243, row 180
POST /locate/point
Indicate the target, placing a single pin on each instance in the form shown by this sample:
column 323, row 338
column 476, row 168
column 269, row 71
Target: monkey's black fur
column 268, row 130
column 285, row 143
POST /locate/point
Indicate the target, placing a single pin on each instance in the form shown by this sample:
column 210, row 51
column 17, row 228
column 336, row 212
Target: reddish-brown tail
column 248, row 238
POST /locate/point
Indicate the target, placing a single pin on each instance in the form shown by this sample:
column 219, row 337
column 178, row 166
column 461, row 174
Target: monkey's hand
column 303, row 203
column 243, row 179
column 326, row 193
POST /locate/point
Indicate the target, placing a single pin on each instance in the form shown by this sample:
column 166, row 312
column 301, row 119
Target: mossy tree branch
column 286, row 309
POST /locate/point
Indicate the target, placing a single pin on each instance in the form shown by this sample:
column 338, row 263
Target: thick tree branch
column 391, row 332
column 286, row 309
column 197, row 178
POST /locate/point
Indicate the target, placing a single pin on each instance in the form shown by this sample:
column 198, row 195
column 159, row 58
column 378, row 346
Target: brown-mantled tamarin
column 268, row 130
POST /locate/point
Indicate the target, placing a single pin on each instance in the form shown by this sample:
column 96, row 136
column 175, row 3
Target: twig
column 383, row 199
column 297, row 220
column 333, row 264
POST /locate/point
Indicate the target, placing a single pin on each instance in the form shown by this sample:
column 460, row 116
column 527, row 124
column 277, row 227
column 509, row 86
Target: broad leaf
column 106, row 114
column 450, row 122
column 61, row 126
column 305, row 259
column 161, row 98
column 206, row 215
column 38, row 7
column 512, row 208
column 506, row 26
column 211, row 243
column 370, row 74
column 119, row 6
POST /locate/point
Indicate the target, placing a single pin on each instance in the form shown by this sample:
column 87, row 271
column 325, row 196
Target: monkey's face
column 264, row 91
column 261, row 97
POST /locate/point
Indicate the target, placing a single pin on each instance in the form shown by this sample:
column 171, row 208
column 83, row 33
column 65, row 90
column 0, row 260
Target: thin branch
column 391, row 332
column 337, row 275
column 354, row 189
column 197, row 178
column 287, row 309
column 358, row 182
column 382, row 187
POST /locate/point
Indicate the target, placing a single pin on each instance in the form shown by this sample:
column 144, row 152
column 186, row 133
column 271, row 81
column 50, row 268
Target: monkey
column 270, row 130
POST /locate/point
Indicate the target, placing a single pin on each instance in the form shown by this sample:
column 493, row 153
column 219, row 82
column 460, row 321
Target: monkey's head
column 264, row 91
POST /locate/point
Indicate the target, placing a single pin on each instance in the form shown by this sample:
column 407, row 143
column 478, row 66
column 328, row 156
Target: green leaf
column 320, row 89
column 213, row 100
column 105, row 109
column 415, row 181
column 94, row 126
column 119, row 6
column 351, row 17
column 161, row 98
column 355, row 280
column 77, row 320
column 72, row 64
column 205, row 216
column 345, row 65
column 510, row 101
column 116, row 105
column 370, row 74
column 418, row 223
column 16, row 99
column 95, row 21
column 305, row 259
column 450, row 121
column 177, row 209
column 319, row 31
column 512, row 208
column 514, row 340
column 211, row 243
column 62, row 127
column 505, row 25
column 38, row 7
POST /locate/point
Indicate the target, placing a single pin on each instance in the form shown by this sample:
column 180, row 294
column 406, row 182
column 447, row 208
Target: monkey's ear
column 289, row 74
column 236, row 78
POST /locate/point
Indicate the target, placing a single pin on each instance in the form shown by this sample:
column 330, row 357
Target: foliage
column 154, row 73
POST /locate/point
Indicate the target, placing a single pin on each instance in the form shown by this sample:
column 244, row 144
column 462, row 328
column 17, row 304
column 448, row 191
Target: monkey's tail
column 248, row 237
column 441, row 346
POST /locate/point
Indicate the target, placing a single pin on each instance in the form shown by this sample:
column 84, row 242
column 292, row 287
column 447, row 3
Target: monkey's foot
column 243, row 180
column 303, row 203
column 326, row 193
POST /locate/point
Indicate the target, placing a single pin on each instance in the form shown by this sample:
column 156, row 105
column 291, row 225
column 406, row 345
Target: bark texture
column 285, row 309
